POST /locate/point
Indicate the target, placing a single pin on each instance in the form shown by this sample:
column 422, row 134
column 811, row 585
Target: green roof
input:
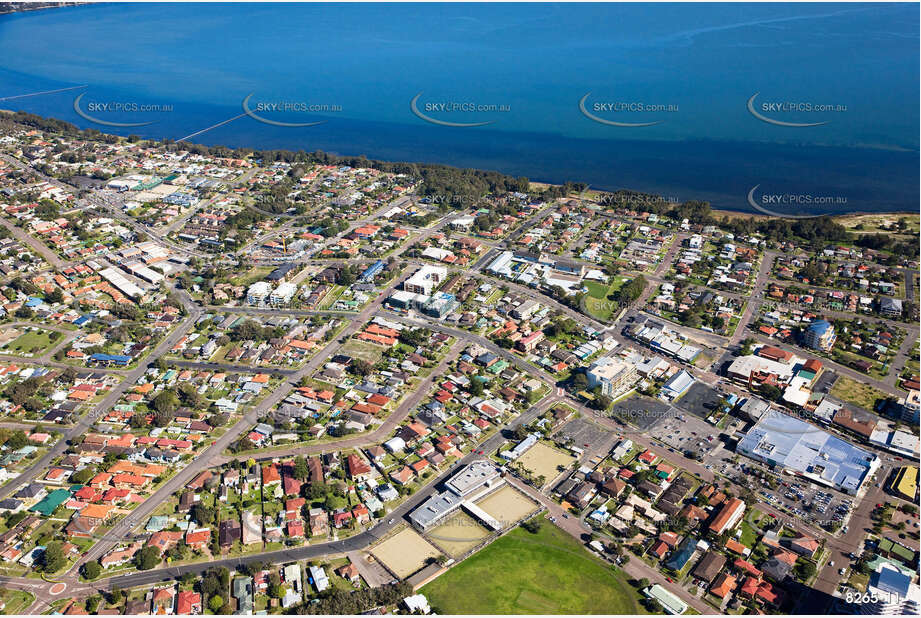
column 52, row 501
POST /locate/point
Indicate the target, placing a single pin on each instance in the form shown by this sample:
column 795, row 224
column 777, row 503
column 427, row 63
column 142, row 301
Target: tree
column 165, row 401
column 301, row 471
column 147, row 558
column 602, row 402
column 92, row 569
column 475, row 387
column 53, row 559
column 215, row 603
column 532, row 525
column 360, row 367
column 83, row 475
column 805, row 569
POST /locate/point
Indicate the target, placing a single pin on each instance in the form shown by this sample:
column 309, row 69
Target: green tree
column 301, row 471
column 53, row 559
column 147, row 558
column 215, row 603
column 92, row 569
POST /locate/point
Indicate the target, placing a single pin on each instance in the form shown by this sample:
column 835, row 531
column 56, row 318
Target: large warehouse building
column 793, row 444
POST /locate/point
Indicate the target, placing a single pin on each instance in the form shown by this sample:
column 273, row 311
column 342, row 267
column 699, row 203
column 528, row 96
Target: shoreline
column 535, row 183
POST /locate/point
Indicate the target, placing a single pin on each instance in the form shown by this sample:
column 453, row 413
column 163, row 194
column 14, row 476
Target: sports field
column 458, row 535
column 405, row 552
column 507, row 505
column 523, row 573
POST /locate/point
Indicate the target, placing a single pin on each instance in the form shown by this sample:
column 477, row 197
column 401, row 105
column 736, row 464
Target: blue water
column 534, row 63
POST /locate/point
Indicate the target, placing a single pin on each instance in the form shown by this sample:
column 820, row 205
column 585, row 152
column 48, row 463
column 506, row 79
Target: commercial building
column 473, row 481
column 905, row 483
column 891, row 593
column 790, row 443
column 425, row 280
column 677, row 385
column 121, row 283
column 613, row 375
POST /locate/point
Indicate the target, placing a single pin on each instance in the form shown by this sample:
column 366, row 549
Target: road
column 85, row 422
column 213, row 453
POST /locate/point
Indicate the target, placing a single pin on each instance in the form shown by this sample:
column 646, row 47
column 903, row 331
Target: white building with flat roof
column 614, row 375
column 283, row 294
column 426, row 279
column 258, row 292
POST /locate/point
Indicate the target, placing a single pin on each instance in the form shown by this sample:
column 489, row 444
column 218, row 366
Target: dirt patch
column 507, row 505
column 405, row 552
column 542, row 460
column 458, row 535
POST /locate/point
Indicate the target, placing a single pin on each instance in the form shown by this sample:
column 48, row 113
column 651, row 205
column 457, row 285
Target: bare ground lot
column 405, row 552
column 507, row 505
column 458, row 535
column 542, row 460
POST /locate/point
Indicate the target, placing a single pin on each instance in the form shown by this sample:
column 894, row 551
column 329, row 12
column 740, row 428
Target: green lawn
column 16, row 601
column 857, row 393
column 523, row 573
column 596, row 301
column 33, row 342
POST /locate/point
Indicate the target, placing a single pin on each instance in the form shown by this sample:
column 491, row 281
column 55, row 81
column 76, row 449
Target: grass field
column 596, row 302
column 857, row 393
column 32, row 342
column 363, row 350
column 523, row 573
column 16, row 601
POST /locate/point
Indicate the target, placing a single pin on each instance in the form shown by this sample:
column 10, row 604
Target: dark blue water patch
column 371, row 59
column 721, row 172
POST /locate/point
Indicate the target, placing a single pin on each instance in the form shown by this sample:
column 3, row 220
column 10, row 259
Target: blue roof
column 682, row 554
column 893, row 582
column 118, row 358
column 83, row 319
column 819, row 326
column 795, row 444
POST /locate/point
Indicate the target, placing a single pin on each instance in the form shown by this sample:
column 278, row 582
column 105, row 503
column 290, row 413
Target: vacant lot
column 597, row 302
column 857, row 393
column 362, row 349
column 33, row 342
column 507, row 505
column 523, row 573
column 405, row 552
column 458, row 535
column 542, row 460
